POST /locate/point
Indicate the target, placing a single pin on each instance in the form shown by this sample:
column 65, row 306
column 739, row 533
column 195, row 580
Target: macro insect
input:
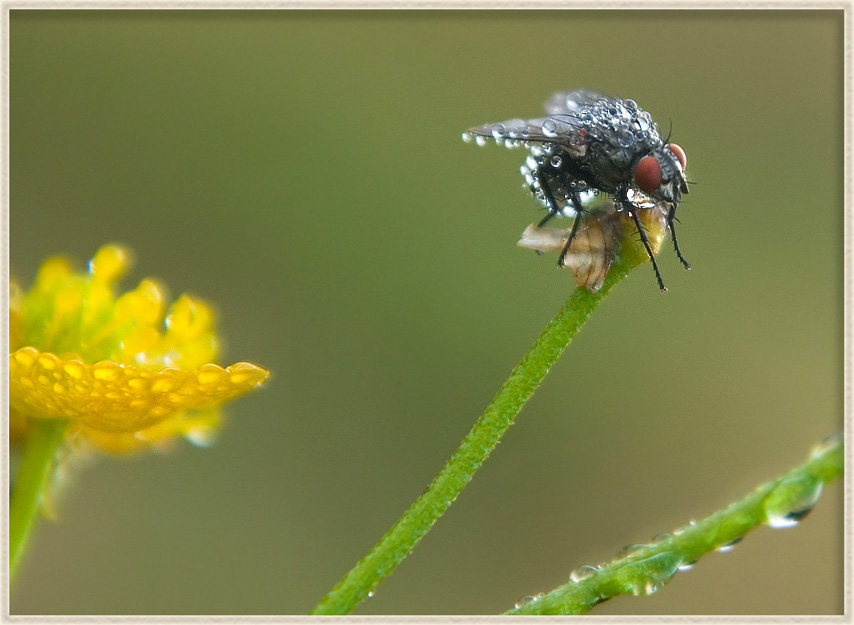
column 591, row 144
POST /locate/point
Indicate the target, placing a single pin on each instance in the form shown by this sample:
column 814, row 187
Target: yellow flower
column 124, row 376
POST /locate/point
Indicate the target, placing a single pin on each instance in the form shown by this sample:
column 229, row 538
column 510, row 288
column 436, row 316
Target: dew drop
column 687, row 566
column 498, row 131
column 550, row 128
column 727, row 547
column 370, row 594
column 556, row 161
column 792, row 500
column 650, row 575
column 828, row 443
column 581, row 573
column 467, row 136
column 201, row 436
column 630, row 549
column 525, row 601
column 481, row 141
column 626, row 138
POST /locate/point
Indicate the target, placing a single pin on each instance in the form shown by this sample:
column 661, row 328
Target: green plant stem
column 34, row 473
column 480, row 441
column 779, row 503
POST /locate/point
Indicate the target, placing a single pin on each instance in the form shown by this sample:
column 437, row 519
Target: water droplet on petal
column 201, row 436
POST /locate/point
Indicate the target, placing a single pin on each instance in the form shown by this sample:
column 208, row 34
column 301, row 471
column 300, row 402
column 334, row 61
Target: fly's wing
column 569, row 102
column 566, row 131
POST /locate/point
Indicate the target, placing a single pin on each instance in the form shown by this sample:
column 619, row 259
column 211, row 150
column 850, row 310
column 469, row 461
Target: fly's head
column 661, row 174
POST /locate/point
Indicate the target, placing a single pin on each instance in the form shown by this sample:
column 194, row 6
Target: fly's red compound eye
column 680, row 154
column 648, row 174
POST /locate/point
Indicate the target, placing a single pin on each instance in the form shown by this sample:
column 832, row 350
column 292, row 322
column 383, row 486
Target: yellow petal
column 119, row 398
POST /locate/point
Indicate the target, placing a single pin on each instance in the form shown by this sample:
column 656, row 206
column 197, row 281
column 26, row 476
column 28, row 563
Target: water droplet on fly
column 582, row 572
column 550, row 128
column 625, row 138
column 556, row 161
column 792, row 500
column 498, row 131
column 467, row 136
column 481, row 141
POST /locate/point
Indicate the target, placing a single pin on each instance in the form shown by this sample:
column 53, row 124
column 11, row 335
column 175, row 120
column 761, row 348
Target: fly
column 591, row 144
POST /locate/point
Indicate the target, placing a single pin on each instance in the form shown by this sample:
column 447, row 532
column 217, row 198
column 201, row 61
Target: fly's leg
column 671, row 216
column 576, row 204
column 634, row 213
column 553, row 209
column 551, row 204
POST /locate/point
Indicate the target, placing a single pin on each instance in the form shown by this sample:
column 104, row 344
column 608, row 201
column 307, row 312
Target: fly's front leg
column 671, row 216
column 632, row 210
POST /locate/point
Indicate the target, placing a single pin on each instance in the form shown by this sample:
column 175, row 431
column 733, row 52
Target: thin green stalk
column 34, row 473
column 647, row 568
column 480, row 441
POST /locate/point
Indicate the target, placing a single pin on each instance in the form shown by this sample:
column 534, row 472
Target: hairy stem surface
column 480, row 441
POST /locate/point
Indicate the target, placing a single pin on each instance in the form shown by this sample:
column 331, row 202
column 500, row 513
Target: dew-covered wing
column 565, row 131
column 569, row 102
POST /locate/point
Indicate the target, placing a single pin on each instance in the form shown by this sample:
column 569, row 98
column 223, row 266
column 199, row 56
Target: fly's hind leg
column 576, row 205
column 552, row 206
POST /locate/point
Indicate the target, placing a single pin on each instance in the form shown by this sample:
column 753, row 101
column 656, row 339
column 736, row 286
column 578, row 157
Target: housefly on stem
column 590, row 145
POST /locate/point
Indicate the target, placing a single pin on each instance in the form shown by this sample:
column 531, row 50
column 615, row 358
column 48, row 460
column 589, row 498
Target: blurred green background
column 303, row 171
